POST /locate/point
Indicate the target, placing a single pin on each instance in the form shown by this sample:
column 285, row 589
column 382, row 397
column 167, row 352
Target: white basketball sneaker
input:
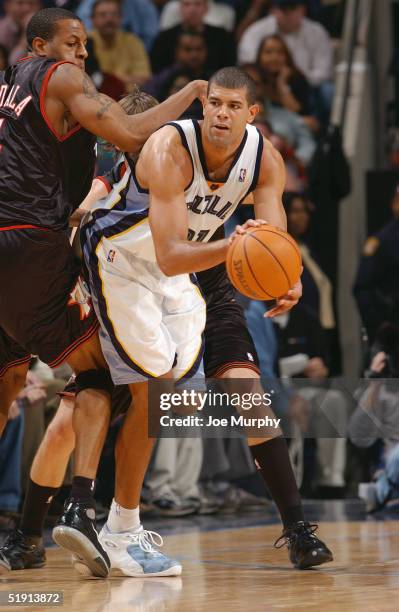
column 132, row 553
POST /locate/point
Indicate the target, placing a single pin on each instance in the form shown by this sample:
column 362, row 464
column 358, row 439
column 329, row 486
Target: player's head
column 229, row 106
column 136, row 102
column 58, row 34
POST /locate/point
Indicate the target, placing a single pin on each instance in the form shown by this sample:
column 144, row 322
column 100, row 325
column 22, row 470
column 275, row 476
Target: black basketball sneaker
column 76, row 532
column 306, row 550
column 20, row 551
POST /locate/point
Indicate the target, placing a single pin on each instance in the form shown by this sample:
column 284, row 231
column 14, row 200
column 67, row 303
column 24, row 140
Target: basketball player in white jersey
column 122, row 262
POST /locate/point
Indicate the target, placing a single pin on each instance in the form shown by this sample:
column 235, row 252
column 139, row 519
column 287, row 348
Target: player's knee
column 94, row 379
column 60, row 434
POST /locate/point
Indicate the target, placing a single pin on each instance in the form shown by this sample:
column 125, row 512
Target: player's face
column 68, row 43
column 226, row 114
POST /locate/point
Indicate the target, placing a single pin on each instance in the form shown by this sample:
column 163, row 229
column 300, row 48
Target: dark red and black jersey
column 43, row 176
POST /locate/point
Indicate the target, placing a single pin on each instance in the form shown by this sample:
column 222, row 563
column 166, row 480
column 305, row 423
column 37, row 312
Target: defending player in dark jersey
column 49, row 111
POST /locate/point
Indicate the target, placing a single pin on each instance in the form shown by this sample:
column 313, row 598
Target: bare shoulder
column 272, row 165
column 68, row 77
column 164, row 154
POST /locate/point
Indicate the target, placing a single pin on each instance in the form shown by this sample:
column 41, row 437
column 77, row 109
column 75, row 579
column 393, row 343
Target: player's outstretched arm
column 269, row 190
column 71, row 87
column 165, row 163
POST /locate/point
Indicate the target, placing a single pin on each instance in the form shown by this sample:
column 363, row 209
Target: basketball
column 264, row 263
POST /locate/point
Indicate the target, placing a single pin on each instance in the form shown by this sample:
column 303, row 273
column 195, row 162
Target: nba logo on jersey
column 250, row 357
column 243, row 174
column 111, row 256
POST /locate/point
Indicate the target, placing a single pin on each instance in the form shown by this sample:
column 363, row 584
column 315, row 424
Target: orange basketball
column 264, row 263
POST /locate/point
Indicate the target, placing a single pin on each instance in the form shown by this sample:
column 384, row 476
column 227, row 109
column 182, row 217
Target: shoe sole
column 83, row 570
column 314, row 561
column 74, row 541
column 176, row 570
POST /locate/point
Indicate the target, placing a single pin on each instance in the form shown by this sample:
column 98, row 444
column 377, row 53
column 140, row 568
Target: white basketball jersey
column 211, row 203
column 122, row 216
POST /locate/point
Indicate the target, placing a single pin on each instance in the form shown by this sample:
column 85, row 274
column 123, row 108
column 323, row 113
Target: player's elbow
column 167, row 262
column 168, row 267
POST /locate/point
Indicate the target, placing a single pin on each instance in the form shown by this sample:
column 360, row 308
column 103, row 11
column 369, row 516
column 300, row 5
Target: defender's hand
column 199, row 88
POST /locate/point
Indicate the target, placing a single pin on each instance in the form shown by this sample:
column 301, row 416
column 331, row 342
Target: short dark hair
column 137, row 101
column 189, row 32
column 43, row 23
column 98, row 2
column 234, row 78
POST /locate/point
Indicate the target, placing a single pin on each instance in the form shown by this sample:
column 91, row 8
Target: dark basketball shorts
column 228, row 343
column 11, row 353
column 43, row 305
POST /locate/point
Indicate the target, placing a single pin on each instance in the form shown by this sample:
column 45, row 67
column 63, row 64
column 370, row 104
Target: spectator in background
column 256, row 10
column 295, row 179
column 3, row 57
column 220, row 44
column 376, row 288
column 308, row 42
column 138, row 16
column 118, row 53
column 219, row 15
column 290, row 127
column 282, row 83
column 190, row 60
column 317, row 289
column 13, row 26
column 377, row 418
column 303, row 356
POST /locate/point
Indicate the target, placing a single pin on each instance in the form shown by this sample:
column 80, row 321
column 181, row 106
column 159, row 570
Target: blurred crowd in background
column 340, row 436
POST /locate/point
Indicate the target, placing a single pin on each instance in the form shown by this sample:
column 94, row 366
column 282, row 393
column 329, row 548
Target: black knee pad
column 94, row 379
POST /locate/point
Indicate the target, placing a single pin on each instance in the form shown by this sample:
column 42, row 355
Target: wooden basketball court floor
column 230, row 564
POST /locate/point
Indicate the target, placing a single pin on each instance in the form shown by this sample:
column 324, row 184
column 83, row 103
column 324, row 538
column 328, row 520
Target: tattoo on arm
column 91, row 92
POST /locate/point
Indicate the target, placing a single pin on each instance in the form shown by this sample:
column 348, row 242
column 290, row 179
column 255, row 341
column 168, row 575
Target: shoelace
column 146, row 540
column 306, row 529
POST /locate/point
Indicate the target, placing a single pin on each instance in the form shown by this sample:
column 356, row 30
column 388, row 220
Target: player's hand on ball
column 287, row 301
column 241, row 229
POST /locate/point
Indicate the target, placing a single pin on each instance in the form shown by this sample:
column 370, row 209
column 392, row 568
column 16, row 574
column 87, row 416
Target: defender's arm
column 104, row 117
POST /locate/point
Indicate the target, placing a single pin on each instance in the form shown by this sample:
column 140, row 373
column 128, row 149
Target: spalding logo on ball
column 264, row 263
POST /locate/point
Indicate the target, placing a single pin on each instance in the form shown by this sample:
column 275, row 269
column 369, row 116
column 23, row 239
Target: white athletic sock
column 122, row 519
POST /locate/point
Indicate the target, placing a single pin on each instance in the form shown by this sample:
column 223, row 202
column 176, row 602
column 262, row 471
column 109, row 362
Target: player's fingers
column 240, row 229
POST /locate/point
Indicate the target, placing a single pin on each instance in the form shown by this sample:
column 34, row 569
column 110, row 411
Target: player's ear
column 253, row 111
column 39, row 46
